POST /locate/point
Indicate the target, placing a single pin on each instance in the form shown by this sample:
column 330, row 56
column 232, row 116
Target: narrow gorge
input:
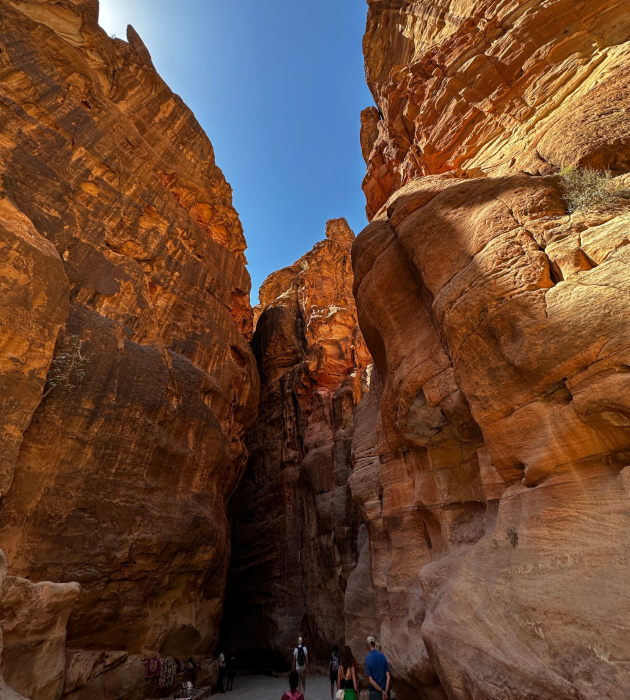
column 421, row 433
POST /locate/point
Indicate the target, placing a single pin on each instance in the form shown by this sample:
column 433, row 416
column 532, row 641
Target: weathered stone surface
column 493, row 476
column 295, row 531
column 35, row 300
column 33, row 619
column 107, row 675
column 208, row 673
column 120, row 483
column 497, row 371
column 7, row 693
column 467, row 84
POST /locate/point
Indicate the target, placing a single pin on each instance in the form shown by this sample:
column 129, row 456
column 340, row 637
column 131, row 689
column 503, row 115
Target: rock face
column 33, row 634
column 502, row 86
column 118, row 241
column 295, row 532
column 35, row 301
column 490, row 456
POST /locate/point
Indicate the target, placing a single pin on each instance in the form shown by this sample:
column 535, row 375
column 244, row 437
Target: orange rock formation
column 490, row 456
column 498, row 86
column 295, row 532
column 118, row 239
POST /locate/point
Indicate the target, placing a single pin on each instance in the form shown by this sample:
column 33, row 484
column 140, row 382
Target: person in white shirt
column 300, row 663
column 221, row 670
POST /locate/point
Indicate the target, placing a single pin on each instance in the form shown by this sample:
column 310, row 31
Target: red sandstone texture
column 295, row 531
column 491, row 453
column 118, row 236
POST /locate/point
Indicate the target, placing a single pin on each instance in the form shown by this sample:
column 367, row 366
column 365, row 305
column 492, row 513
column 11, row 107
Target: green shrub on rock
column 586, row 189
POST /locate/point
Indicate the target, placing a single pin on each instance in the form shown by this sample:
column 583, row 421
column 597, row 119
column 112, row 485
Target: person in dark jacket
column 231, row 664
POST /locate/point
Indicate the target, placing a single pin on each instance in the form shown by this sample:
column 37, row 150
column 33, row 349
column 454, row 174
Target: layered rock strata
column 122, row 279
column 491, row 454
column 295, row 532
column 498, row 86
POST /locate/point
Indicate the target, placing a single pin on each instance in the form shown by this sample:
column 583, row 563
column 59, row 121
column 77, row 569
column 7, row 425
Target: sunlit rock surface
column 503, row 86
column 493, row 473
column 295, row 532
column 118, row 237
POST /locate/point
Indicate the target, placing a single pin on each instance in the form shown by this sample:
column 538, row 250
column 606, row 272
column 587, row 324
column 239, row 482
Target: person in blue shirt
column 377, row 672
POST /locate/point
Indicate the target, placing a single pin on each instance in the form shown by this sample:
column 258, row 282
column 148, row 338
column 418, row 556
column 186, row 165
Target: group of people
column 343, row 672
column 227, row 669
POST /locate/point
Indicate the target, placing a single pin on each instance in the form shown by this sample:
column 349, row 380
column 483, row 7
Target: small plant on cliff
column 69, row 366
column 8, row 186
column 511, row 536
column 586, row 189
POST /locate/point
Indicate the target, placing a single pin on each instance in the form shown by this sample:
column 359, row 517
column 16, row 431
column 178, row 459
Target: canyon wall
column 490, row 457
column 295, row 532
column 122, row 280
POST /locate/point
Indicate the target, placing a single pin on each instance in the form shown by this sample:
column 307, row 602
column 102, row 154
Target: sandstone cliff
column 490, row 456
column 295, row 532
column 119, row 243
column 33, row 619
column 498, row 86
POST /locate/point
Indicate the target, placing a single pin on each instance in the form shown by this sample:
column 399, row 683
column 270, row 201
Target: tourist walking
column 300, row 663
column 221, row 670
column 333, row 668
column 347, row 676
column 294, row 693
column 377, row 672
column 231, row 664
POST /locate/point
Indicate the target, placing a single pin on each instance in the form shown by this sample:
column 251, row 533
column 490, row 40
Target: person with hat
column 377, row 672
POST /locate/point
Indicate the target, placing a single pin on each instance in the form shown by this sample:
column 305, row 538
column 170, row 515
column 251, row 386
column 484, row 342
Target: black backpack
column 301, row 656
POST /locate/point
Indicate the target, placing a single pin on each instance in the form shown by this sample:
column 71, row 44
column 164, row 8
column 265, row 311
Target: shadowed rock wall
column 490, row 459
column 295, row 532
column 118, row 236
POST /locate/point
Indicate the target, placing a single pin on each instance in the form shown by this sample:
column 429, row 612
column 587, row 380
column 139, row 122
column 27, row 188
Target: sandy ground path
column 268, row 688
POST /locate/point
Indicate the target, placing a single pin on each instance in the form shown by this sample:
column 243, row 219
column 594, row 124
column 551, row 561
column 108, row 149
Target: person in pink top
column 294, row 693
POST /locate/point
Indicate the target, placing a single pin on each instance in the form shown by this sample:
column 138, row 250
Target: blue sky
column 278, row 86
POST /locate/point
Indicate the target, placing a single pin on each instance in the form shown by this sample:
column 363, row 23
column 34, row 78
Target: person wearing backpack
column 300, row 663
column 294, row 693
column 333, row 667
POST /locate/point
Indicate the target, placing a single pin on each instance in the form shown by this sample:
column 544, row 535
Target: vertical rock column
column 295, row 532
